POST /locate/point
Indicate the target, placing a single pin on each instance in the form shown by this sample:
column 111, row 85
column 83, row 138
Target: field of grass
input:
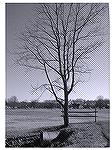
column 20, row 121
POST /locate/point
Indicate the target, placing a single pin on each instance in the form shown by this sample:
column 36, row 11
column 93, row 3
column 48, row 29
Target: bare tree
column 58, row 41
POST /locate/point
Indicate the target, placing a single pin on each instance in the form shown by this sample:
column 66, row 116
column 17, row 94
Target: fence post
column 40, row 136
column 95, row 113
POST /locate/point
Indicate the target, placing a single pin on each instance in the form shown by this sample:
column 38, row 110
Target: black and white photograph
column 57, row 63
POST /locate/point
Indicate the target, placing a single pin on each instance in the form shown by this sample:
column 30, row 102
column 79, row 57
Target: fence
column 92, row 113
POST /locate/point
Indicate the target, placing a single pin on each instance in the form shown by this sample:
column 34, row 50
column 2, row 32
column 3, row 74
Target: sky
column 18, row 80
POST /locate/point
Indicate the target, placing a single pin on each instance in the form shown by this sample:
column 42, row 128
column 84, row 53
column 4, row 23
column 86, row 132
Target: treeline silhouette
column 14, row 103
column 76, row 104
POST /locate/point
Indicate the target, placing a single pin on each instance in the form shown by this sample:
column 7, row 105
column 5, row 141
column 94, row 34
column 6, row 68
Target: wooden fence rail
column 87, row 114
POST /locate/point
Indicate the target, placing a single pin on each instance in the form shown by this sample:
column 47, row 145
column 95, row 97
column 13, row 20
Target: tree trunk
column 66, row 120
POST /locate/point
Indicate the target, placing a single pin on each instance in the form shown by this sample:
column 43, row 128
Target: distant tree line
column 100, row 103
column 87, row 104
column 14, row 103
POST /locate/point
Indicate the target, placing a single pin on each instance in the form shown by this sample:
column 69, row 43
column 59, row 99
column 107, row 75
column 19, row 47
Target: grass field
column 20, row 121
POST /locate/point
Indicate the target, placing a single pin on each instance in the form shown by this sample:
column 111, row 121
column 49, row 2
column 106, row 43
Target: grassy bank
column 89, row 134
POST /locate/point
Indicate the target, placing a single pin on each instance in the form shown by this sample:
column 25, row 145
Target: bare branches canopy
column 58, row 41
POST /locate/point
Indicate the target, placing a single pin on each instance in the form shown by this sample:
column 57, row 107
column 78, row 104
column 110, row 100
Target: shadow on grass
column 32, row 139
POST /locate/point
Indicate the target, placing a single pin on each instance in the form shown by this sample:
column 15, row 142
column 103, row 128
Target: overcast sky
column 18, row 80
